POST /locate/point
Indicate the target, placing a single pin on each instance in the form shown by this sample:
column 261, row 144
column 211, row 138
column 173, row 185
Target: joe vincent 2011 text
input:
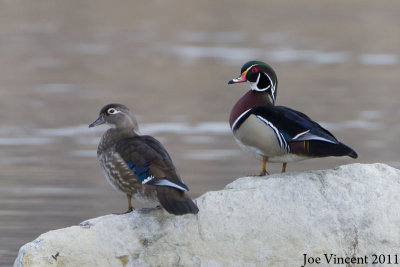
column 333, row 259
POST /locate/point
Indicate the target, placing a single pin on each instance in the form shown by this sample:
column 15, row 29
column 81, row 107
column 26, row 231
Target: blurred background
column 337, row 61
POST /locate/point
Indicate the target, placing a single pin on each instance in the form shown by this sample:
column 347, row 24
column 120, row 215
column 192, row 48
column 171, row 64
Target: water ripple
column 353, row 124
column 216, row 37
column 24, row 141
column 378, row 59
column 92, row 49
column 210, row 154
column 237, row 55
column 185, row 128
column 48, row 190
column 84, row 153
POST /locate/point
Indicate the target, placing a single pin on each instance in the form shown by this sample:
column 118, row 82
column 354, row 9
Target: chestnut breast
column 249, row 100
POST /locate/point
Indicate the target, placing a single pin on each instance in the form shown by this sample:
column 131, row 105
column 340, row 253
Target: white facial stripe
column 270, row 83
column 254, row 85
column 273, row 94
column 255, row 88
column 272, row 88
column 112, row 111
column 238, row 118
column 282, row 142
column 258, row 78
column 250, row 67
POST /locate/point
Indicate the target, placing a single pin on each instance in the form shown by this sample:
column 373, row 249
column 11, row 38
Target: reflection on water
column 210, row 154
column 62, row 62
column 57, row 88
column 379, row 59
column 212, row 37
column 370, row 114
column 92, row 49
column 238, row 55
column 353, row 124
column 48, row 190
column 24, row 141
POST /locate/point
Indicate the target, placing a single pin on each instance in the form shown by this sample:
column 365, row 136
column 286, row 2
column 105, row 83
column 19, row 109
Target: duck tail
column 175, row 201
column 318, row 148
column 330, row 149
column 349, row 151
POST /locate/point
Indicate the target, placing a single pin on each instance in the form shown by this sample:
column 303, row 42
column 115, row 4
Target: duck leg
column 130, row 207
column 284, row 167
column 263, row 167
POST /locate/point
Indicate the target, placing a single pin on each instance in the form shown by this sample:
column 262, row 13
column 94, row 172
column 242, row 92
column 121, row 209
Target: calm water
column 338, row 62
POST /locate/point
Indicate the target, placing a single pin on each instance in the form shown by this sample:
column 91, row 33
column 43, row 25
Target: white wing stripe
column 300, row 134
column 281, row 139
column 148, row 179
column 310, row 136
column 165, row 182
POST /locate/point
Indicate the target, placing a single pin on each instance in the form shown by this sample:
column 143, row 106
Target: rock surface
column 353, row 210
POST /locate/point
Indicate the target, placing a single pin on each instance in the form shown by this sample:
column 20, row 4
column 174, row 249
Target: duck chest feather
column 255, row 136
column 247, row 101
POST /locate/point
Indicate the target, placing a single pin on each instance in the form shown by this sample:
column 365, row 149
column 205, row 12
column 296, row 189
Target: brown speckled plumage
column 139, row 166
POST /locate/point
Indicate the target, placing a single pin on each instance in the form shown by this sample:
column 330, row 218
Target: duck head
column 261, row 76
column 117, row 116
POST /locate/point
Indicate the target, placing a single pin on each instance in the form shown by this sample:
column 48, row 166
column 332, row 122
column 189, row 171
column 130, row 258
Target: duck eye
column 254, row 69
column 111, row 111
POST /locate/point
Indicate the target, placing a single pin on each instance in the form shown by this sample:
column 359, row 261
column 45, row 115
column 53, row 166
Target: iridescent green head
column 261, row 76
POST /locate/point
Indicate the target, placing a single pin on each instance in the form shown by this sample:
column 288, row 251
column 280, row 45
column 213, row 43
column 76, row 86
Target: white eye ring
column 112, row 111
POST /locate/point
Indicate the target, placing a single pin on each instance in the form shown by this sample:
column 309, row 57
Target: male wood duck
column 138, row 165
column 277, row 133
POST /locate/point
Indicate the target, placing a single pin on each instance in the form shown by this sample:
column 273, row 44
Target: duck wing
column 150, row 161
column 298, row 134
column 152, row 165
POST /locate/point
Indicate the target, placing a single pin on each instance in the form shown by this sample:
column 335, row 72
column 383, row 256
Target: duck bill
column 97, row 122
column 240, row 79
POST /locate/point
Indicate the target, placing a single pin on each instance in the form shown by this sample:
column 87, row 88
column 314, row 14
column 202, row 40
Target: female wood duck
column 277, row 133
column 139, row 165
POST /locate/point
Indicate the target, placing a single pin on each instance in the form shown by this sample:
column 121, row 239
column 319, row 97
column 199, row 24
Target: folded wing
column 152, row 165
column 299, row 134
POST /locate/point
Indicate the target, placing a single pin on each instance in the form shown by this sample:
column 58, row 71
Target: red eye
column 254, row 69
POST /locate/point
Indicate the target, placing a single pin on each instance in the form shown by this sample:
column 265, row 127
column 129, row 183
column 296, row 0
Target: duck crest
column 249, row 100
column 277, row 133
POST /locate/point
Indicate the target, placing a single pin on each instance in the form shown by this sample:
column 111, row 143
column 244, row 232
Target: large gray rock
column 350, row 211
